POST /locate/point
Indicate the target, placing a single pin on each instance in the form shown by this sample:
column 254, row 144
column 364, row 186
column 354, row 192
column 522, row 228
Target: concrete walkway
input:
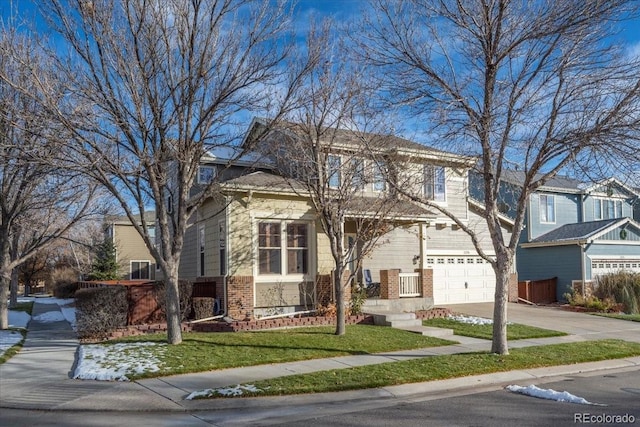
column 39, row 377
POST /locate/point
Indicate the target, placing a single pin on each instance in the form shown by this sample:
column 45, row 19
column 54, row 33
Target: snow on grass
column 114, row 362
column 470, row 319
column 18, row 319
column 238, row 390
column 8, row 339
column 550, row 394
column 49, row 317
column 51, row 300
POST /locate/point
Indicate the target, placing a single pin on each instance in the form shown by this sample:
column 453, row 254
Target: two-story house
column 260, row 243
column 134, row 259
column 575, row 231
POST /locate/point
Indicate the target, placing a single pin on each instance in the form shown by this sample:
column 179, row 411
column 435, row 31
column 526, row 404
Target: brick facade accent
column 426, row 282
column 390, row 284
column 240, row 297
column 513, row 287
column 324, row 290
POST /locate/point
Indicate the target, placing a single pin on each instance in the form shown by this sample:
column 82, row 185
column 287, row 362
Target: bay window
column 283, row 247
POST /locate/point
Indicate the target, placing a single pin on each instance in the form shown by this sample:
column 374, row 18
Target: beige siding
column 245, row 211
column 395, row 249
column 131, row 247
column 451, row 238
column 188, row 258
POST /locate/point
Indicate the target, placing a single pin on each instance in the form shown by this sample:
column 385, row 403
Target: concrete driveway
column 587, row 325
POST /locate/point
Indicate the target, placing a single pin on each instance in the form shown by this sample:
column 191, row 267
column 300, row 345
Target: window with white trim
column 435, row 187
column 283, row 247
column 379, row 182
column 206, row 174
column 140, row 270
column 607, row 209
column 333, row 171
column 357, row 174
column 547, row 208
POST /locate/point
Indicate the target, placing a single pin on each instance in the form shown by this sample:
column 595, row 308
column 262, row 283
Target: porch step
column 409, row 322
column 428, row 331
column 396, row 320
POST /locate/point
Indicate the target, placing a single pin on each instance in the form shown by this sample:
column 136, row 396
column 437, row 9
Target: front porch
column 402, row 292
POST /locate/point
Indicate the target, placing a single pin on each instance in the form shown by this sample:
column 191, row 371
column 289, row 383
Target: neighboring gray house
column 574, row 231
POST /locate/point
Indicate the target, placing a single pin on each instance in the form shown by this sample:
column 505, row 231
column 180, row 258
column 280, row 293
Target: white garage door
column 462, row 279
column 606, row 266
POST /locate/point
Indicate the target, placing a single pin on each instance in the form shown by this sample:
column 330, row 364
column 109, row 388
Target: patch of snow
column 473, row 320
column 18, row 319
column 238, row 390
column 8, row 339
column 550, row 394
column 49, row 317
column 113, row 362
column 51, row 300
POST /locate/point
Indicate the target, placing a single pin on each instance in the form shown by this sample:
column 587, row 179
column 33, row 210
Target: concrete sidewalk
column 39, row 377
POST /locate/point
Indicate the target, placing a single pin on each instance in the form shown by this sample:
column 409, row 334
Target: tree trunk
column 5, row 280
column 340, row 299
column 172, row 306
column 503, row 272
column 13, row 293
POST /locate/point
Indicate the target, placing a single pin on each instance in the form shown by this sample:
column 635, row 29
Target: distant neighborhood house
column 134, row 259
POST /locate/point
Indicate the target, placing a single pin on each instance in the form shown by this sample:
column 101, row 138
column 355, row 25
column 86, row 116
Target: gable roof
column 578, row 233
column 352, row 139
column 558, row 183
column 360, row 206
column 609, row 182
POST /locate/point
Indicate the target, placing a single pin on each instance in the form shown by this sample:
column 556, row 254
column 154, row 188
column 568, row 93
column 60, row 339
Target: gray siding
column 622, row 250
column 396, row 249
column 589, row 207
column 563, row 262
column 566, row 211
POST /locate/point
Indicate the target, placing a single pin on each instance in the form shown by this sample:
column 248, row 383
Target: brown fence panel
column 143, row 305
column 204, row 290
column 538, row 291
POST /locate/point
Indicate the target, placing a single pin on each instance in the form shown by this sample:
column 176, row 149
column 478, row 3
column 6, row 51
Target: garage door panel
column 462, row 280
column 601, row 267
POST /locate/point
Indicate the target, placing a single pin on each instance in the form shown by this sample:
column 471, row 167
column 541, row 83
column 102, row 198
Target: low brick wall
column 282, row 322
column 437, row 312
column 257, row 325
column 237, row 326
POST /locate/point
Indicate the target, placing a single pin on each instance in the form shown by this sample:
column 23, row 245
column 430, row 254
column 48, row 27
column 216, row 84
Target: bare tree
column 168, row 81
column 39, row 201
column 537, row 84
column 333, row 150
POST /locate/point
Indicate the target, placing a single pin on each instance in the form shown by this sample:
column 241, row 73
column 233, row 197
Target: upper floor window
column 140, row 270
column 607, row 209
column 547, row 208
column 435, row 187
column 206, row 174
column 357, row 173
column 379, row 182
column 333, row 171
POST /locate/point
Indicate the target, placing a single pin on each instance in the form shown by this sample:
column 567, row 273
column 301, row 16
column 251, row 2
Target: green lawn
column 10, row 352
column 514, row 331
column 23, row 306
column 631, row 317
column 442, row 367
column 208, row 351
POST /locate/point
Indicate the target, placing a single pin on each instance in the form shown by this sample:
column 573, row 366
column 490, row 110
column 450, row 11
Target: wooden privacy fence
column 538, row 291
column 141, row 297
